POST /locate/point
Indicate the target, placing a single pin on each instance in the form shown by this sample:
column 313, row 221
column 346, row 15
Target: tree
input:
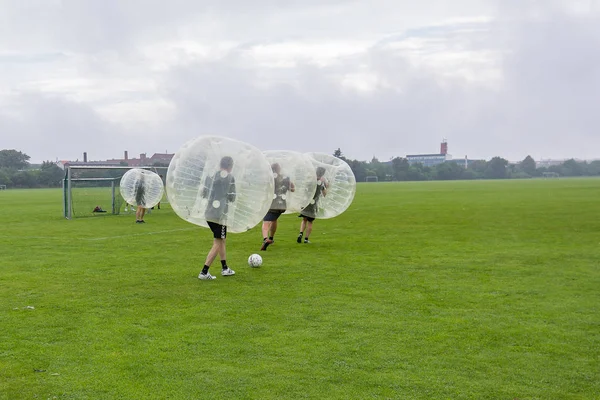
column 528, row 166
column 593, row 168
column 13, row 159
column 448, row 171
column 25, row 179
column 338, row 154
column 400, row 168
column 370, row 172
column 556, row 169
column 5, row 177
column 468, row 174
column 497, row 168
column 478, row 167
column 417, row 172
column 572, row 168
column 50, row 174
column 379, row 169
column 359, row 169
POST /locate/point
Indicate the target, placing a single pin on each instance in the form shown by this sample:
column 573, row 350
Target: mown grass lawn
column 432, row 290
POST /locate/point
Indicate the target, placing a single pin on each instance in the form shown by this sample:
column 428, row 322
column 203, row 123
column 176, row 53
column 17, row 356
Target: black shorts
column 273, row 215
column 309, row 219
column 219, row 231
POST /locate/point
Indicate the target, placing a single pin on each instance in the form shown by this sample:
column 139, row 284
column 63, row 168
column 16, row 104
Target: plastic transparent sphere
column 221, row 180
column 141, row 187
column 291, row 170
column 339, row 183
column 255, row 260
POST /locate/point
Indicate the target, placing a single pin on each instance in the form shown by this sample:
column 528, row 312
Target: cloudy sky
column 380, row 78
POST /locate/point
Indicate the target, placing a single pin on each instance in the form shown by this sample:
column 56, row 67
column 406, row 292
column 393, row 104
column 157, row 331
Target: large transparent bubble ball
column 294, row 179
column 221, row 180
column 141, row 187
column 339, row 186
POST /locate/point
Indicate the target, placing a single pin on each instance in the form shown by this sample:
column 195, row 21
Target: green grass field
column 433, row 290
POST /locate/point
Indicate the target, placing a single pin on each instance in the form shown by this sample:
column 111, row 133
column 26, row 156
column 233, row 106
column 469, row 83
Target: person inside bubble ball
column 219, row 189
column 278, row 206
column 140, row 201
column 309, row 212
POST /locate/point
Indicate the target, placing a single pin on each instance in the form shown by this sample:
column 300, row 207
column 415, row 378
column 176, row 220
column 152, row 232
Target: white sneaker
column 206, row 277
column 227, row 272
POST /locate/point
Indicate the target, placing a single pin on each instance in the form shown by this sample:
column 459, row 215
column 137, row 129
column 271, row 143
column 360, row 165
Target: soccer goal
column 2, row 187
column 550, row 175
column 94, row 190
column 371, row 178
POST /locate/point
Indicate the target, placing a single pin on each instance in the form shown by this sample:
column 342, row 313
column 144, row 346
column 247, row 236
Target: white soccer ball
column 255, row 260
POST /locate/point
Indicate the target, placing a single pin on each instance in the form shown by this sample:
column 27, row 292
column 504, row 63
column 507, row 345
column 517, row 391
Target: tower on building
column 444, row 147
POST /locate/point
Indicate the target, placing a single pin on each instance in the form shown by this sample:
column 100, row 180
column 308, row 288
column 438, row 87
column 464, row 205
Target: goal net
column 95, row 190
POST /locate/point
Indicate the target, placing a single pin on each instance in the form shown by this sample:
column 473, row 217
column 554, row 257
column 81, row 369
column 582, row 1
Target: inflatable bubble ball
column 294, row 180
column 336, row 186
column 141, row 187
column 214, row 179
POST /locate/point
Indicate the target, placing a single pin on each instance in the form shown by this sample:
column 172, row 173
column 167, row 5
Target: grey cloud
column 544, row 105
column 552, row 81
column 115, row 25
column 50, row 127
column 92, row 26
column 315, row 114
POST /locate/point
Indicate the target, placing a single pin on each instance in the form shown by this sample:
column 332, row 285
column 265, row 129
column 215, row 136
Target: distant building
column 163, row 158
column 62, row 164
column 430, row 160
column 143, row 161
column 549, row 163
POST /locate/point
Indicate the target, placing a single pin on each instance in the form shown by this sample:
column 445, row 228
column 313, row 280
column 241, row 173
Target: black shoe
column 266, row 244
column 299, row 240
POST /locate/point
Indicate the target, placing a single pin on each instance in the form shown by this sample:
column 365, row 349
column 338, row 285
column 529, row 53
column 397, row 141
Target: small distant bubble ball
column 141, row 187
column 221, row 180
column 255, row 260
column 294, row 179
column 337, row 183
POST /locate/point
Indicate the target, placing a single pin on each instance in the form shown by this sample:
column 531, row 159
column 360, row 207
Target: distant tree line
column 16, row 171
column 398, row 169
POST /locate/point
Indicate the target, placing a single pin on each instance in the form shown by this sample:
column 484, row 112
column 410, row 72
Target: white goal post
column 550, row 175
column 88, row 186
